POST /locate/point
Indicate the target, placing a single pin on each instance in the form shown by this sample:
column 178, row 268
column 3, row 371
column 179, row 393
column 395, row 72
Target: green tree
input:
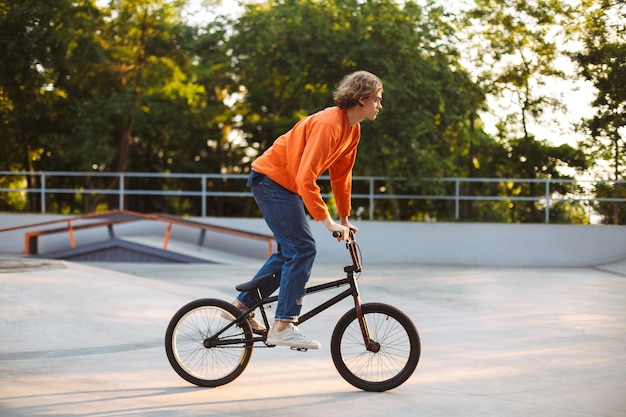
column 128, row 86
column 603, row 62
column 35, row 36
column 516, row 48
column 290, row 54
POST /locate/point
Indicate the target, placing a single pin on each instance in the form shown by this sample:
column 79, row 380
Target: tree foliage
column 603, row 62
column 516, row 49
column 130, row 85
column 288, row 73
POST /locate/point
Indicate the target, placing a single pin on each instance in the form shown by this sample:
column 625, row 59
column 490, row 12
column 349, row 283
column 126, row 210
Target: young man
column 284, row 182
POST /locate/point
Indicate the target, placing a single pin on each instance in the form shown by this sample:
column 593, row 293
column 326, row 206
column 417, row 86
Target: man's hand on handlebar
column 340, row 231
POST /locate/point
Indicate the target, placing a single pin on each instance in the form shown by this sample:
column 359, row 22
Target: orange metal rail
column 124, row 216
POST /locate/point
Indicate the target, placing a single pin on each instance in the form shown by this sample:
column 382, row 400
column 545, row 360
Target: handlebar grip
column 338, row 234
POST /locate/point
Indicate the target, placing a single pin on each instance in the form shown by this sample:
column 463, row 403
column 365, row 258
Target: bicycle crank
column 299, row 349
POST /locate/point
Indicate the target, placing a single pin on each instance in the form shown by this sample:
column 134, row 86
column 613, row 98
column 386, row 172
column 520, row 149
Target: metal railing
column 110, row 218
column 374, row 186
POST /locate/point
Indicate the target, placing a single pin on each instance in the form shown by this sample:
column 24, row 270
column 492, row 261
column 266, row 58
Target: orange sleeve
column 320, row 142
column 341, row 182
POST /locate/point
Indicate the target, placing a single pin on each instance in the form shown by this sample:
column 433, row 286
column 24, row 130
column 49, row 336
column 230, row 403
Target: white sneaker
column 292, row 337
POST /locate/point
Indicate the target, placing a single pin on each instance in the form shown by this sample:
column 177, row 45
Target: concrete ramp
column 119, row 250
column 144, row 249
column 126, row 236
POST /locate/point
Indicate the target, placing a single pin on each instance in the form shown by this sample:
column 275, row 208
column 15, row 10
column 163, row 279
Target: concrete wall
column 476, row 244
column 471, row 244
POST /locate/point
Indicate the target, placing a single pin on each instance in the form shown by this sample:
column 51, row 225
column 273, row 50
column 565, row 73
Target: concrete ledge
column 515, row 245
column 473, row 244
column 470, row 244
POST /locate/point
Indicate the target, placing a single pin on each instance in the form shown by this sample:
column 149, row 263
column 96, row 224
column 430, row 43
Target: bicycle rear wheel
column 397, row 354
column 196, row 355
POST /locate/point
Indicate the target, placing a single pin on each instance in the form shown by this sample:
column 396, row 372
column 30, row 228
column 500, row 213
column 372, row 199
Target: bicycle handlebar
column 353, row 248
column 338, row 234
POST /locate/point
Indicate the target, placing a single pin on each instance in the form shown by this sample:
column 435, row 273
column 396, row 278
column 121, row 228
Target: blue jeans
column 284, row 213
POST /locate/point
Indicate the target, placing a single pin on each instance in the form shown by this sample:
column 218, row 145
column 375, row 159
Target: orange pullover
column 323, row 141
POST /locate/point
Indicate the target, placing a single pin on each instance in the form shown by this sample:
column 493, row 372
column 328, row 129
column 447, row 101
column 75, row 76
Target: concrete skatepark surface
column 87, row 340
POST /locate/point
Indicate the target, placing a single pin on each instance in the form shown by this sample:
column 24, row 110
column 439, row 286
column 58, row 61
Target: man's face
column 372, row 105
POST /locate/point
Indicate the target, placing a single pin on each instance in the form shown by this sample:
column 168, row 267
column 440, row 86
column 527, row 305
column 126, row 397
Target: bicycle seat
column 254, row 284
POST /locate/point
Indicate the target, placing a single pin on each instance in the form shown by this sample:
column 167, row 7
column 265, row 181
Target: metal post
column 43, row 193
column 371, row 198
column 70, row 230
column 111, row 231
column 457, row 191
column 121, row 188
column 168, row 233
column 204, row 180
column 547, row 201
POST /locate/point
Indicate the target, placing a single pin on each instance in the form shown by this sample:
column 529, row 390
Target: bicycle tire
column 392, row 364
column 185, row 338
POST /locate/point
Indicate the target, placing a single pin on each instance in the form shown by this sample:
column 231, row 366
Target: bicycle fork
column 370, row 345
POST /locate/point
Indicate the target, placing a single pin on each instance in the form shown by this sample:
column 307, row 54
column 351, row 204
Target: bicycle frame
column 353, row 291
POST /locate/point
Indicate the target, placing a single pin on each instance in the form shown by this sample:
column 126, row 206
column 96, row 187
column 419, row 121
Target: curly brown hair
column 354, row 86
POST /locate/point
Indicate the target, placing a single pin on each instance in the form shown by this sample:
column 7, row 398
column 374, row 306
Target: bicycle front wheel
column 200, row 357
column 395, row 354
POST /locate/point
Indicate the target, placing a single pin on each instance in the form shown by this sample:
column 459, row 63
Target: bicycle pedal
column 299, row 349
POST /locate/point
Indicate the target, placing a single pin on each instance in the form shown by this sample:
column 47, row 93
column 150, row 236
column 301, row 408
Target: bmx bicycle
column 374, row 346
